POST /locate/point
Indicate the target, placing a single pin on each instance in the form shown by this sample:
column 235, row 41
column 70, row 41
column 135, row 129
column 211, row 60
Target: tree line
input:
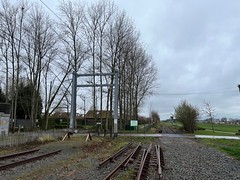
column 40, row 52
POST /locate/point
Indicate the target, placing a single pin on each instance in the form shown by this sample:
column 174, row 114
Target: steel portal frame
column 74, row 95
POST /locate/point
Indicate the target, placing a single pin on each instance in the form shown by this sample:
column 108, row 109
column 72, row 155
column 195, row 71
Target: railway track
column 168, row 130
column 144, row 164
column 115, row 155
column 145, row 160
column 17, row 159
column 133, row 154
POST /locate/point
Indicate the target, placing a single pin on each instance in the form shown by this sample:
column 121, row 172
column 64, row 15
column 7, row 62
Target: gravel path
column 187, row 159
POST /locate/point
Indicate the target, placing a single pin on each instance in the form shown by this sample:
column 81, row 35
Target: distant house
column 61, row 119
column 92, row 118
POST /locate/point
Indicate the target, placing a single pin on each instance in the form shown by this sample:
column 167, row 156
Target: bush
column 200, row 128
column 238, row 133
column 187, row 115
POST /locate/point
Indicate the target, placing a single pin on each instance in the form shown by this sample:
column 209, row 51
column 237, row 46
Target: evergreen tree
column 24, row 102
column 2, row 97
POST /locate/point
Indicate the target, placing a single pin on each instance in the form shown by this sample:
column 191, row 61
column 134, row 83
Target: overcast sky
column 196, row 47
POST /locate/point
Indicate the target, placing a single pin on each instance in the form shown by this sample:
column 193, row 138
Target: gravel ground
column 187, row 159
column 184, row 159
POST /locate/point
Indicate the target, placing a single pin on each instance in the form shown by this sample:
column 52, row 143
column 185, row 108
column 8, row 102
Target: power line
column 51, row 11
column 196, row 93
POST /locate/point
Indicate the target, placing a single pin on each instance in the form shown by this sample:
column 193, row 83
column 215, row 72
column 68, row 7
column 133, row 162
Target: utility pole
column 73, row 101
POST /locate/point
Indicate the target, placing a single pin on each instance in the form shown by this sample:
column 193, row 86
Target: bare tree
column 56, row 84
column 5, row 45
column 155, row 118
column 106, row 11
column 142, row 77
column 146, row 79
column 12, row 17
column 119, row 32
column 137, row 72
column 209, row 110
column 39, row 47
column 93, row 39
column 71, row 27
column 91, row 21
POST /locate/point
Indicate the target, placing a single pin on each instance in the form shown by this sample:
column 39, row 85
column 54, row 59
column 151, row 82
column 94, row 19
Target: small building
column 91, row 118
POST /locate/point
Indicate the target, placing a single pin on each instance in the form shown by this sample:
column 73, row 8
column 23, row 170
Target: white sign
column 4, row 123
column 134, row 123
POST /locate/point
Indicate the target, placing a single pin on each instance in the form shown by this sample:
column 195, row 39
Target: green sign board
column 134, row 123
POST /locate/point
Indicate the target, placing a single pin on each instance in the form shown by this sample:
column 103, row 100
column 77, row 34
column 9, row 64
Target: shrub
column 187, row 114
column 200, row 128
column 238, row 133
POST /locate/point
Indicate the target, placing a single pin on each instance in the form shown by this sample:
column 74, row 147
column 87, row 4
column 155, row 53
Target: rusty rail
column 17, row 154
column 162, row 158
column 17, row 163
column 159, row 166
column 133, row 155
column 124, row 162
column 144, row 164
column 115, row 155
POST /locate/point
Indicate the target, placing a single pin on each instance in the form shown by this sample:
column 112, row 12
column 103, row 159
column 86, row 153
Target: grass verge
column 231, row 147
column 216, row 133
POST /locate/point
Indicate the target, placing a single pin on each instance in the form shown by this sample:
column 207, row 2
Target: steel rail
column 14, row 164
column 17, row 154
column 134, row 152
column 115, row 155
column 162, row 158
column 144, row 163
column 124, row 162
column 159, row 164
column 141, row 164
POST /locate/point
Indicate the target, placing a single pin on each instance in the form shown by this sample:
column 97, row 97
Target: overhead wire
column 197, row 93
column 51, row 10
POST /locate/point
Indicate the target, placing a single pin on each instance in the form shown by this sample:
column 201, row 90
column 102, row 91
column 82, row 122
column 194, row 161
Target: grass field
column 215, row 133
column 220, row 127
column 231, row 147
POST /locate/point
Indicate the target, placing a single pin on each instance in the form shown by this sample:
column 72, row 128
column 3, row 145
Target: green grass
column 230, row 147
column 211, row 133
column 175, row 124
column 221, row 127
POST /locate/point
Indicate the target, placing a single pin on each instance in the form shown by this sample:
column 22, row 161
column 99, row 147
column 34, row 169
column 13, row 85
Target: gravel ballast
column 184, row 159
column 188, row 159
